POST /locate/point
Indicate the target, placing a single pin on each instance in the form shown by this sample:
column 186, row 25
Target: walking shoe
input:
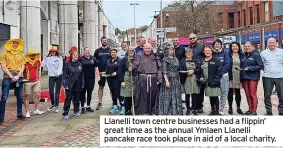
column 76, row 114
column 200, row 111
column 194, row 112
column 38, row 112
column 188, row 112
column 230, row 111
column 114, row 109
column 268, row 114
column 221, row 111
column 248, row 113
column 66, row 117
column 51, row 108
column 56, row 109
column 83, row 111
column 99, row 106
column 253, row 113
column 240, row 112
column 89, row 109
column 123, row 111
column 212, row 113
column 21, row 117
column 27, row 114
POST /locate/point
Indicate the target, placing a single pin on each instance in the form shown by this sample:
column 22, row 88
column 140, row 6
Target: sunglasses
column 192, row 38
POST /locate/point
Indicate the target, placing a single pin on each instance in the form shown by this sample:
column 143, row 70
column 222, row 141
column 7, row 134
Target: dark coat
column 254, row 64
column 123, row 67
column 214, row 72
column 183, row 67
column 242, row 57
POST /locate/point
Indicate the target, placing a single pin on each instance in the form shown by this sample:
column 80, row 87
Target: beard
column 104, row 44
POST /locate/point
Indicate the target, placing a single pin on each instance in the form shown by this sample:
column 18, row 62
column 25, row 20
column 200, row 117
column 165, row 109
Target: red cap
column 73, row 48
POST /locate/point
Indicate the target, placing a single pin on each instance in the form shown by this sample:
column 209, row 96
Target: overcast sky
column 121, row 13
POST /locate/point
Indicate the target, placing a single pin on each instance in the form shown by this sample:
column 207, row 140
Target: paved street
column 50, row 130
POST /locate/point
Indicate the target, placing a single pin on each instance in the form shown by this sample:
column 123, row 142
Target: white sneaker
column 221, row 111
column 38, row 112
column 56, row 110
column 27, row 114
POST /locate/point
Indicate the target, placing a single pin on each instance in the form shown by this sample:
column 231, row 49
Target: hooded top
column 11, row 57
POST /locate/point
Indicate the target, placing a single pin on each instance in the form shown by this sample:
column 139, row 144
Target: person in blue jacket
column 224, row 58
column 250, row 75
column 236, row 58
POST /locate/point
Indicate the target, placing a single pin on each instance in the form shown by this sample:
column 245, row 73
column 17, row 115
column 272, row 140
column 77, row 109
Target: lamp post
column 10, row 5
column 166, row 23
column 134, row 4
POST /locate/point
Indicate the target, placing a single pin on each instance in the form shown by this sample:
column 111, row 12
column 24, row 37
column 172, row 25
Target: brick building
column 238, row 14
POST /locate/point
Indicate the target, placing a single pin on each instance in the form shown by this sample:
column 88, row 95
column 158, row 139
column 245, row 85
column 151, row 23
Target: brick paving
column 49, row 130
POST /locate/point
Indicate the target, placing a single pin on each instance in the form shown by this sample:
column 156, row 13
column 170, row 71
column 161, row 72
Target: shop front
column 255, row 39
column 184, row 41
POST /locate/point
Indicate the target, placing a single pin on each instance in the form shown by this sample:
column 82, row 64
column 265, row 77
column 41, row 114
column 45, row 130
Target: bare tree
column 197, row 15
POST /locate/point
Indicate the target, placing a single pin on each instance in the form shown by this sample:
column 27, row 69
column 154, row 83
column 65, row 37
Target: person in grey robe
column 149, row 70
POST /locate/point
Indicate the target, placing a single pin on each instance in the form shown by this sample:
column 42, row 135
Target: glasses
column 192, row 38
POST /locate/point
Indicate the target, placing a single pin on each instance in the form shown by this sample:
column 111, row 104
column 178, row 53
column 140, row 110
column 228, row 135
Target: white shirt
column 121, row 53
column 273, row 63
column 54, row 65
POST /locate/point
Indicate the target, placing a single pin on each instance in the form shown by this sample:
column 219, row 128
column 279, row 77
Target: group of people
column 146, row 80
column 154, row 78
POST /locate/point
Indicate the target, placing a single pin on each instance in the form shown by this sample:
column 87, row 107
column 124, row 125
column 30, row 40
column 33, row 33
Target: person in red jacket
column 32, row 74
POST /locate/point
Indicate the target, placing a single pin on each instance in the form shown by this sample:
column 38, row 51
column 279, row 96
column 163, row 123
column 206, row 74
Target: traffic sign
column 171, row 29
column 155, row 33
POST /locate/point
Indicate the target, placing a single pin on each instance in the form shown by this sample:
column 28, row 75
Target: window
column 266, row 10
column 251, row 16
column 230, row 20
column 220, row 19
column 257, row 14
column 239, row 19
column 244, row 14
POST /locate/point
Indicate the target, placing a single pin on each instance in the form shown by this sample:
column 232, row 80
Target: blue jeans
column 6, row 85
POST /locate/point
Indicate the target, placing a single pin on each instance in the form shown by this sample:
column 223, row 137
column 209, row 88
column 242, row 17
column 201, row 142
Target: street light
column 10, row 5
column 134, row 4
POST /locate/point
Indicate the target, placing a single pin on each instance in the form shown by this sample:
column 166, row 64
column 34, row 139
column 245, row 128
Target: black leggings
column 214, row 102
column 115, row 87
column 128, row 104
column 88, row 88
column 237, row 98
column 194, row 101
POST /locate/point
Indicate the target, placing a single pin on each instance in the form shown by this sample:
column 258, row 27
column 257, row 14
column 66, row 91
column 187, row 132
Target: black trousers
column 214, row 103
column 88, row 88
column 200, row 98
column 268, row 85
column 52, row 82
column 72, row 95
column 115, row 87
column 194, row 101
column 128, row 104
column 237, row 97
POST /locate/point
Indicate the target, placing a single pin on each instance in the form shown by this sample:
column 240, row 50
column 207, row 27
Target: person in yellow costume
column 13, row 64
column 32, row 87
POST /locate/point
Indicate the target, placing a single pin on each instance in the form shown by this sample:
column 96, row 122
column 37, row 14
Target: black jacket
column 241, row 57
column 180, row 52
column 197, row 50
column 74, row 77
column 183, row 67
column 112, row 66
column 123, row 67
column 214, row 72
column 159, row 53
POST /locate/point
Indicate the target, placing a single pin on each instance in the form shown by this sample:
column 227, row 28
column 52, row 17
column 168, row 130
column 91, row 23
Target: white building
column 60, row 23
